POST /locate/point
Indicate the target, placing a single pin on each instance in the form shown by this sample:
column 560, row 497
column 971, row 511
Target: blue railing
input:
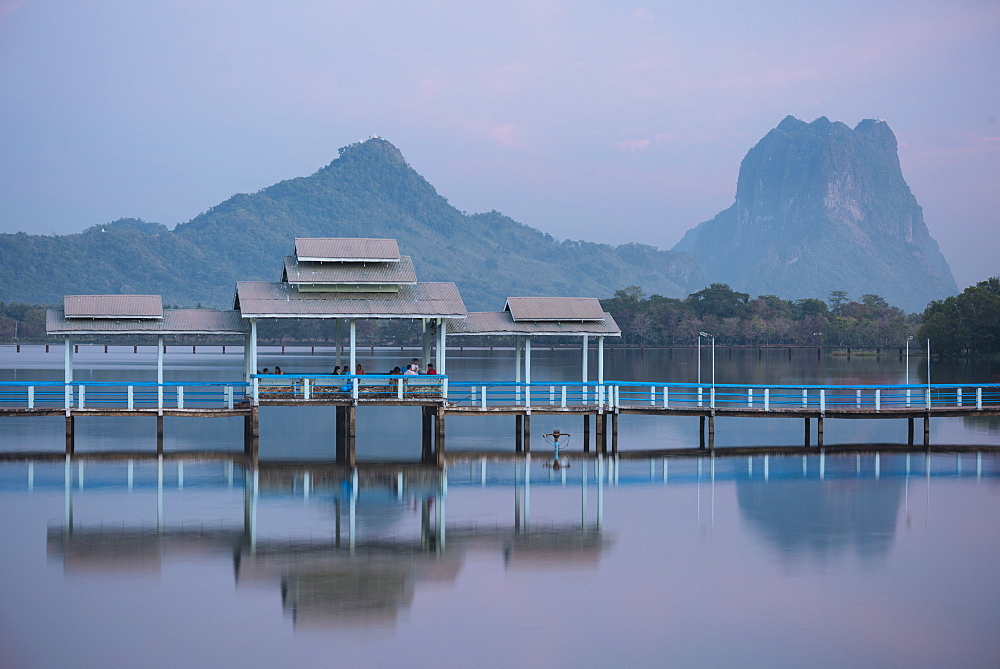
column 117, row 395
column 485, row 394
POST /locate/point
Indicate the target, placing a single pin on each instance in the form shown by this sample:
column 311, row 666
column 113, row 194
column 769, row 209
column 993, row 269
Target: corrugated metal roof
column 261, row 299
column 346, row 249
column 555, row 308
column 174, row 321
column 350, row 272
column 501, row 323
column 113, row 306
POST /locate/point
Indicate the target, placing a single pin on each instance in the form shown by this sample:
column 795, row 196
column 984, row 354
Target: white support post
column 958, row 396
column 585, row 373
column 805, row 397
column 355, row 385
column 180, row 397
column 81, row 389
column 750, row 398
column 442, row 351
column 399, row 389
column 699, row 397
column 927, row 397
column 858, row 397
column 253, row 351
column 562, row 399
column 822, row 400
column 979, row 398
column 878, row 399
column 517, row 369
column 711, row 397
column 229, row 397
column 600, row 359
column 31, row 397
column 68, row 371
column 767, row 399
column 444, row 389
column 247, row 371
column 339, row 338
column 666, row 397
column 354, row 353
column 527, row 359
column 425, row 346
column 483, row 400
column 652, row 395
column 305, row 389
column 552, row 394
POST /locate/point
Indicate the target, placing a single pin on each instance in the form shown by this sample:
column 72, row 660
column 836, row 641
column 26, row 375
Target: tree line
column 959, row 325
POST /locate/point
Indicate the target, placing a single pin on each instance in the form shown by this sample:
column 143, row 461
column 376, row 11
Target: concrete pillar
column 425, row 345
column 600, row 360
column 68, row 359
column 253, row 345
column 442, row 348
column 527, row 359
column 585, row 362
column 338, row 338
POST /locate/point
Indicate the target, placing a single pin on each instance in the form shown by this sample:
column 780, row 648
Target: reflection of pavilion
column 348, row 578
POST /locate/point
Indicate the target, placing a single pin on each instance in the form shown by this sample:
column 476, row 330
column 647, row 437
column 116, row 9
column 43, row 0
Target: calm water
column 871, row 560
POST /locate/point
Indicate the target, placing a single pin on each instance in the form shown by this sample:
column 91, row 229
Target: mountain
column 368, row 191
column 821, row 207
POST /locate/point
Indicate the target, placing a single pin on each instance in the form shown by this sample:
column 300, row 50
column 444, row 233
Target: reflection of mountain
column 823, row 519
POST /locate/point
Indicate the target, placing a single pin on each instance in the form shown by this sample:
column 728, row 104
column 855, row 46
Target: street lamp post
column 908, row 369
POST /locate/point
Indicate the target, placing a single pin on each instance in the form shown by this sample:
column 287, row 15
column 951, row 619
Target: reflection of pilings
column 251, row 488
column 600, row 491
column 68, row 475
column 159, row 494
column 527, row 492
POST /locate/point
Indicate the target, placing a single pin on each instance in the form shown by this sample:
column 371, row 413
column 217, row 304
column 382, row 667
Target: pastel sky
column 588, row 120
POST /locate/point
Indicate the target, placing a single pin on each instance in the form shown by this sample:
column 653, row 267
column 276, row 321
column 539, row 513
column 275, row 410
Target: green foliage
column 767, row 320
column 966, row 323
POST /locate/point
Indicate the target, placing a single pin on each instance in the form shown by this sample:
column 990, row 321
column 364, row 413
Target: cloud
column 643, row 144
column 643, row 14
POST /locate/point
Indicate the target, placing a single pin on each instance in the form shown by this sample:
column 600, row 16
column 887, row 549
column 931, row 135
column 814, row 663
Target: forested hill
column 369, row 191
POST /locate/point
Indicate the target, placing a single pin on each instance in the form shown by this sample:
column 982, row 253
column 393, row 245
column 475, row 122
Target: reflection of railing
column 116, row 395
column 355, row 386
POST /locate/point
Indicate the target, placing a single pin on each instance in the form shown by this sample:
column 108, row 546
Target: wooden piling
column 70, row 435
column 614, row 434
column 426, row 448
column 599, row 433
column 518, row 434
column 909, row 431
column 339, row 431
column 711, row 431
column 586, row 433
column 251, row 431
column 603, row 419
column 159, row 433
column 701, row 432
column 808, row 434
column 351, row 433
column 439, row 437
column 927, row 430
column 527, row 433
column 819, row 432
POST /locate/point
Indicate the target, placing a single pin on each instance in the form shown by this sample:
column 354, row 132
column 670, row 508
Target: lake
column 867, row 559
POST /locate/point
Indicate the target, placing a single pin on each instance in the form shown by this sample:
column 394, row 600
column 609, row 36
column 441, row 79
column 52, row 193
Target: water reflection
column 359, row 564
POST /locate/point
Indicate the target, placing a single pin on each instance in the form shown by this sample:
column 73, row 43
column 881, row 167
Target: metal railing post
column 822, row 400
column 31, row 397
column 482, row 400
column 180, row 397
column 767, row 399
column 711, row 398
column 444, row 388
column 958, row 396
column 666, row 397
column 750, row 398
column 229, row 397
column 927, row 397
column 131, row 397
column 81, row 399
column 979, row 398
column 355, row 385
column 399, row 389
column 562, row 400
column 306, row 390
column 878, row 399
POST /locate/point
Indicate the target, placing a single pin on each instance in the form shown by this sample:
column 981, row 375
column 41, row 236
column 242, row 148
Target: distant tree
column 719, row 300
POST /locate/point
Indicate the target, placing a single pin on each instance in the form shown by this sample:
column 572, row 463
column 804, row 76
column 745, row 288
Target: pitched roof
column 297, row 271
column 174, row 321
column 113, row 306
column 501, row 323
column 261, row 299
column 555, row 308
column 343, row 249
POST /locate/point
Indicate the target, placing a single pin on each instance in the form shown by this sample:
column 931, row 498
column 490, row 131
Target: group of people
column 411, row 369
